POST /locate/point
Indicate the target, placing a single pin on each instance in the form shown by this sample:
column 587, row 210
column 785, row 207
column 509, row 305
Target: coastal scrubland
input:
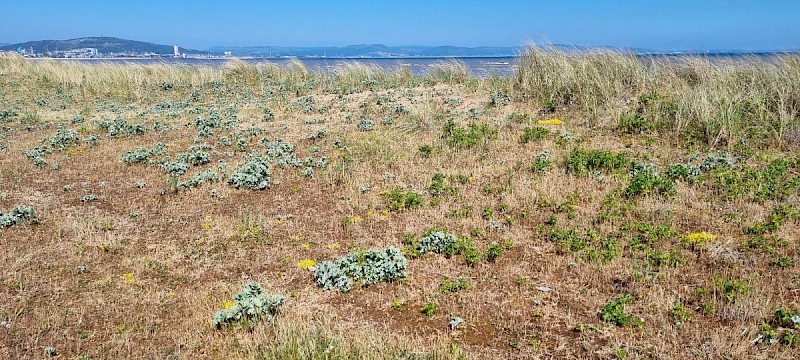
column 594, row 205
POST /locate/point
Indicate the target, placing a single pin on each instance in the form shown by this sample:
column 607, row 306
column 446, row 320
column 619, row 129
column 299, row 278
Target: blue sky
column 199, row 24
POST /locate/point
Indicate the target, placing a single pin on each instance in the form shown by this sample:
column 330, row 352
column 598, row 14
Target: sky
column 199, row 24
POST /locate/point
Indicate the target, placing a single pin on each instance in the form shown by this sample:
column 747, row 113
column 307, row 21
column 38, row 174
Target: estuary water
column 481, row 67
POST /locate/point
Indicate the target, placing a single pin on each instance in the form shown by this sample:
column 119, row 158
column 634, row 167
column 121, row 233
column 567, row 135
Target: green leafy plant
column 63, row 139
column 451, row 285
column 777, row 217
column 469, row 137
column 200, row 178
column 533, row 134
column 518, row 118
column 398, row 199
column 542, row 162
column 498, row 98
column 783, row 261
column 429, row 309
column 614, row 312
column 782, row 328
column 195, row 157
column 437, row 241
column 720, row 159
column 582, row 161
column 250, row 305
column 366, row 125
column 268, row 114
column 17, row 215
column 426, row 150
column 646, row 180
column 730, row 290
column 634, row 123
column 253, row 174
column 368, row 267
column 438, row 186
column 175, row 168
column 686, row 172
column 679, row 313
column 493, row 253
column 120, row 127
column 37, row 155
column 142, row 155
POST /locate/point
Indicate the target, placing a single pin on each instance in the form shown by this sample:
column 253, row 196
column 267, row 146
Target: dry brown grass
column 189, row 251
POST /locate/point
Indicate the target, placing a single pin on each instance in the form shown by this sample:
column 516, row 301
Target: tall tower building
column 176, row 51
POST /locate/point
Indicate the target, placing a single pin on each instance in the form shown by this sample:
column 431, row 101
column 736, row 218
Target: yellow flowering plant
column 550, row 122
column 306, row 264
column 700, row 237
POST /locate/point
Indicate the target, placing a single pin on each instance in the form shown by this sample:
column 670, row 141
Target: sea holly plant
column 200, row 178
column 436, row 241
column 142, row 155
column 37, row 155
column 249, row 306
column 253, row 175
column 368, row 267
column 16, row 216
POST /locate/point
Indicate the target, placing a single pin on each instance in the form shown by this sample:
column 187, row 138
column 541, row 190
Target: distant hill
column 367, row 51
column 383, row 51
column 102, row 44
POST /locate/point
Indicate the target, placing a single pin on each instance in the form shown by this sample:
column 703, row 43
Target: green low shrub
column 400, row 200
column 200, row 178
column 533, row 134
column 614, row 312
column 253, row 174
column 468, row 137
column 17, row 215
column 366, row 267
column 646, row 180
column 582, row 161
column 250, row 305
column 142, row 155
column 437, row 241
column 498, row 98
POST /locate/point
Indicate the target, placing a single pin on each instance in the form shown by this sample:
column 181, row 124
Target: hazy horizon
column 677, row 26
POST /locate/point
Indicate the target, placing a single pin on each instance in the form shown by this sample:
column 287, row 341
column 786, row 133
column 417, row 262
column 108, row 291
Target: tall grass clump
column 128, row 79
column 699, row 100
column 449, row 72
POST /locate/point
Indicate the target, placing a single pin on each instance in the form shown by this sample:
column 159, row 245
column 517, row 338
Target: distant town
column 94, row 53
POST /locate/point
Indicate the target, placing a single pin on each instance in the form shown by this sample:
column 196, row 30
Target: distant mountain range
column 102, row 44
column 107, row 45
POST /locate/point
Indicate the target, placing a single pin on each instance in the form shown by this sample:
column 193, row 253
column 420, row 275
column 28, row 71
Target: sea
column 480, row 67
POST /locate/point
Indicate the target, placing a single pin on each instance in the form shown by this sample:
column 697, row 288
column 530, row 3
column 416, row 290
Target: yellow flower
column 370, row 213
column 305, row 246
column 171, row 293
column 306, row 264
column 128, row 278
column 334, row 246
column 700, row 237
column 550, row 122
column 228, row 304
column 208, row 222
